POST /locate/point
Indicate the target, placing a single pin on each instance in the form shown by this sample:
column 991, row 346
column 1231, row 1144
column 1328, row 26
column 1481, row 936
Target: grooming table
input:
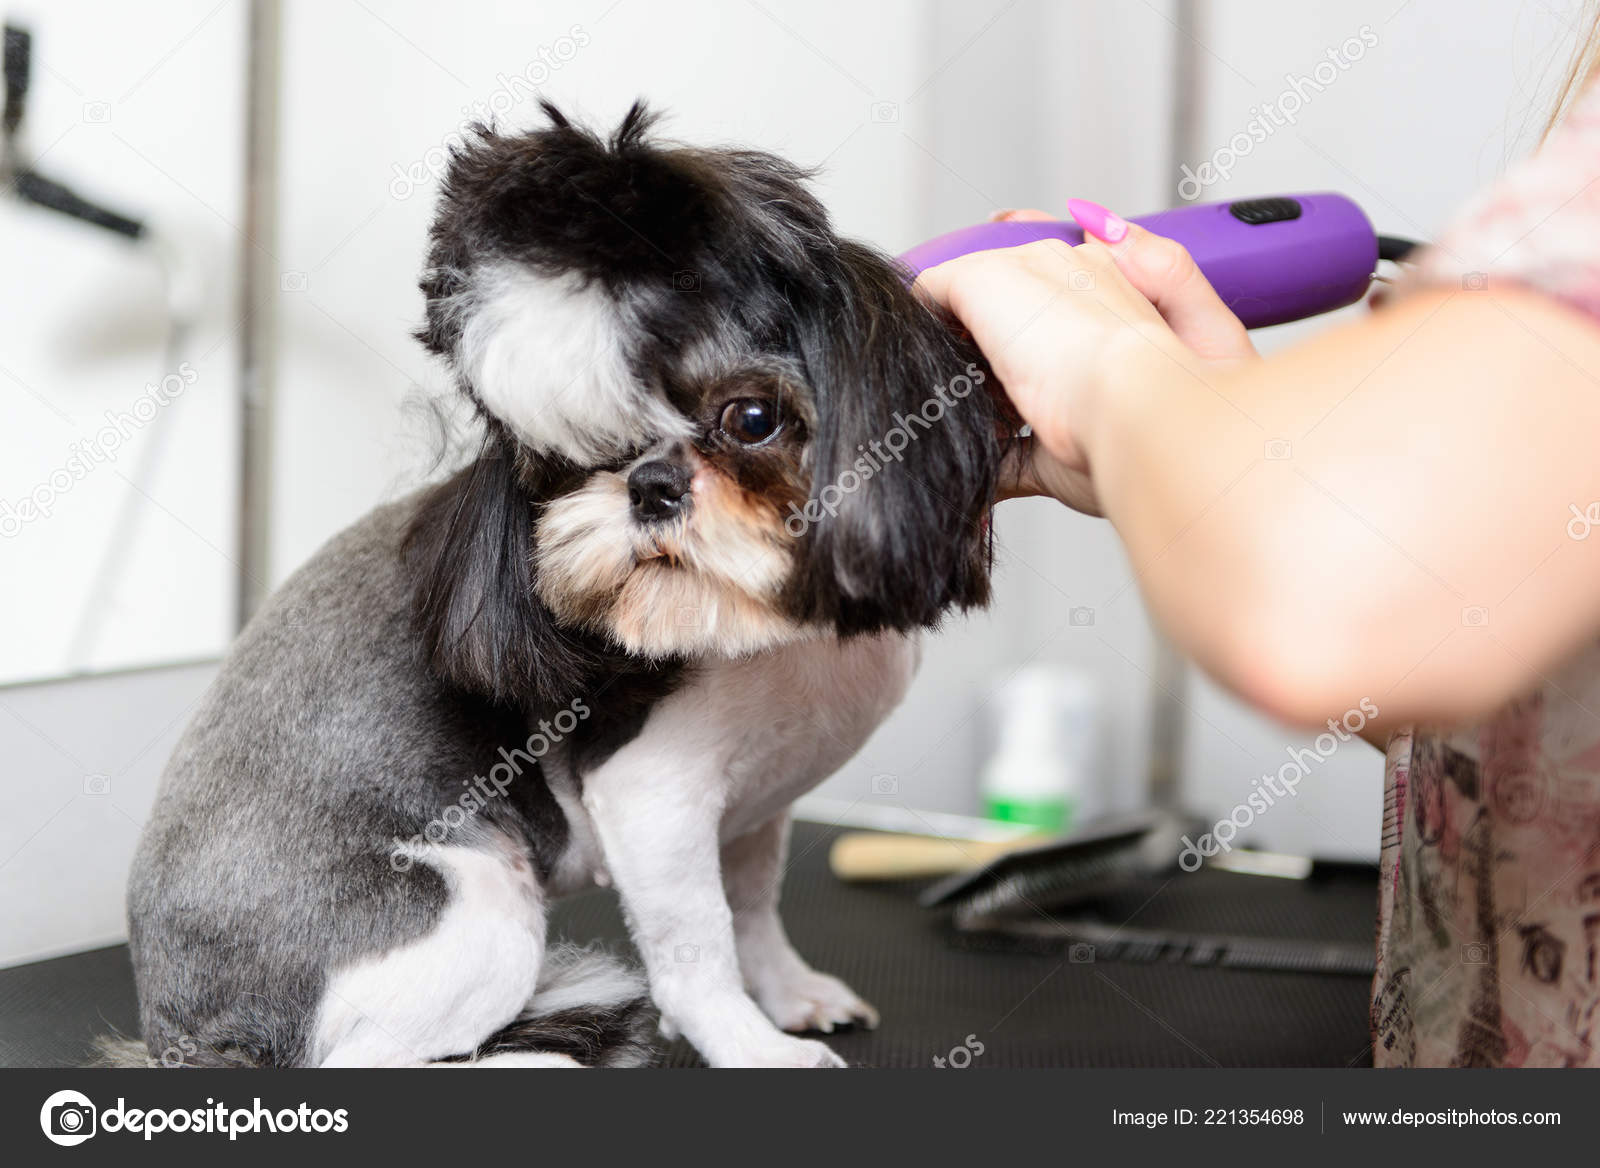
column 1026, row 1008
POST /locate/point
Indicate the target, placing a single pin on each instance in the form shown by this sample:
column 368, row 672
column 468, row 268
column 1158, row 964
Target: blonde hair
column 1581, row 69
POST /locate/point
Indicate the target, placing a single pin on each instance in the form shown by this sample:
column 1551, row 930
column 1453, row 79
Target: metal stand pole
column 258, row 288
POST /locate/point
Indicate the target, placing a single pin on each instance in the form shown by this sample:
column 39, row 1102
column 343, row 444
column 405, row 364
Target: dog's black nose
column 658, row 490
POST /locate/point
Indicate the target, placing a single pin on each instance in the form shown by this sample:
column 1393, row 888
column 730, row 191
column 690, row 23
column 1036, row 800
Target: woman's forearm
column 1381, row 512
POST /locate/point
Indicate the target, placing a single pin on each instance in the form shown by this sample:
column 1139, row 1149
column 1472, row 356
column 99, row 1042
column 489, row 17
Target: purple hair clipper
column 1271, row 260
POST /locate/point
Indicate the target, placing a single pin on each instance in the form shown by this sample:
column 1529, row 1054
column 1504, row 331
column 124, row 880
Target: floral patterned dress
column 1489, row 915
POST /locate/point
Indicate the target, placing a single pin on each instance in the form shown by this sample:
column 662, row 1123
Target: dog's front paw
column 783, row 1051
column 808, row 1000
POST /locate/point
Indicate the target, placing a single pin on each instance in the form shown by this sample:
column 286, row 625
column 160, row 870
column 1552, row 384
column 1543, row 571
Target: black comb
column 1016, row 902
column 1104, row 942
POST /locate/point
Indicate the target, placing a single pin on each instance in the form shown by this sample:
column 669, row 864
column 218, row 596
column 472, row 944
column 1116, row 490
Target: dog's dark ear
column 907, row 452
column 469, row 551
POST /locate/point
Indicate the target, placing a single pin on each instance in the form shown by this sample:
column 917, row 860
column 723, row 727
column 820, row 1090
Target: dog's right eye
column 750, row 420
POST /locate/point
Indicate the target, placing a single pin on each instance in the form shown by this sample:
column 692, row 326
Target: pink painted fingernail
column 1097, row 221
column 1001, row 215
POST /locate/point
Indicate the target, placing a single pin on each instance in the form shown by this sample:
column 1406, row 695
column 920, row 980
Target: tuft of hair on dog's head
column 713, row 426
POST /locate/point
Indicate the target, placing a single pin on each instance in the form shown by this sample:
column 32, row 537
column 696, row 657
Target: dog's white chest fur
column 743, row 738
column 790, row 718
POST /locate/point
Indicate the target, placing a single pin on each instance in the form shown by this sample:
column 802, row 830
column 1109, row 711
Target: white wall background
column 923, row 116
column 82, row 757
column 139, row 107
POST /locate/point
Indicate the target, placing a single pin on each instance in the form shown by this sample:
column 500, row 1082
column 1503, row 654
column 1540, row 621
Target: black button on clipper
column 1257, row 211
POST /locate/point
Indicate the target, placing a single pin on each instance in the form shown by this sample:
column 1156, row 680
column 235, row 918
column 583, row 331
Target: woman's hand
column 1376, row 511
column 1056, row 323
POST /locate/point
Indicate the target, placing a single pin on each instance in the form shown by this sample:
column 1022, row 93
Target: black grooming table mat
column 937, row 992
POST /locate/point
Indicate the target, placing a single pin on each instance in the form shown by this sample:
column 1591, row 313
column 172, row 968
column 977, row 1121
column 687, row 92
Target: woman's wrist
column 1118, row 399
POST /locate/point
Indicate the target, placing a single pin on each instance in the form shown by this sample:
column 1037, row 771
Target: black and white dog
column 731, row 466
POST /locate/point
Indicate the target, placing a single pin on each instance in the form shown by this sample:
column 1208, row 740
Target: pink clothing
column 1489, row 915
